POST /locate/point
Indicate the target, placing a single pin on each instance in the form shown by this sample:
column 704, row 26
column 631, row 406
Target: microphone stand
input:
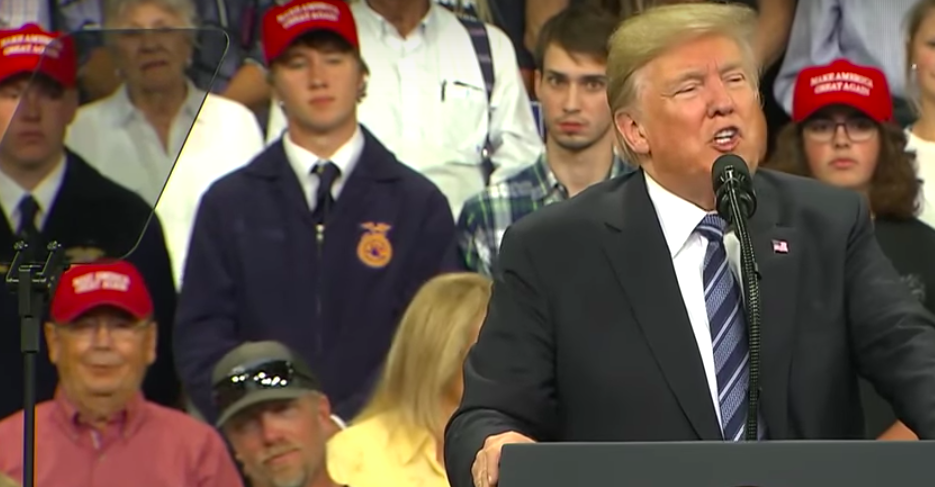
column 750, row 277
column 33, row 282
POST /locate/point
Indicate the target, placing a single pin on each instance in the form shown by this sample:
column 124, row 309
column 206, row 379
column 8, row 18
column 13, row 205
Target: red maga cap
column 282, row 24
column 85, row 287
column 842, row 83
column 30, row 49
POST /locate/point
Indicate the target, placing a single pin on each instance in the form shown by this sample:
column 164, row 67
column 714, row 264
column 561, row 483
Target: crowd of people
column 289, row 213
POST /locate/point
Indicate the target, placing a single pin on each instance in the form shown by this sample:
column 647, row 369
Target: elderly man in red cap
column 49, row 193
column 99, row 429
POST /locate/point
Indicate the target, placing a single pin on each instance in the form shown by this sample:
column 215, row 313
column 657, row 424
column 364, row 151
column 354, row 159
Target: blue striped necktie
column 728, row 329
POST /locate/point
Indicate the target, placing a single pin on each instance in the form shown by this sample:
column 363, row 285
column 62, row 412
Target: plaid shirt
column 486, row 216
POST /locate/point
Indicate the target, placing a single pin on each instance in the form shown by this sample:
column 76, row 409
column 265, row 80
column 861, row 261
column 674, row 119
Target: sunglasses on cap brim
column 274, row 374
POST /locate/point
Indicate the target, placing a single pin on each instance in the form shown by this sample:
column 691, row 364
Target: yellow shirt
column 376, row 453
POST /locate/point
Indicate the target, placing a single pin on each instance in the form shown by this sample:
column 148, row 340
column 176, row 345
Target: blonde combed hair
column 643, row 37
column 428, row 351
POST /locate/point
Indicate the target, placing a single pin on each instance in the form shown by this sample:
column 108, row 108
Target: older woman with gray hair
column 158, row 119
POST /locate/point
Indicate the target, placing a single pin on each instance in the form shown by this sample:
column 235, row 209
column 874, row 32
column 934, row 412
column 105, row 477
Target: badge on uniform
column 374, row 249
column 84, row 255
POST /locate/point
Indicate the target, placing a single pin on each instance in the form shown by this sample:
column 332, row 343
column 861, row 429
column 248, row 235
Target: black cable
column 749, row 276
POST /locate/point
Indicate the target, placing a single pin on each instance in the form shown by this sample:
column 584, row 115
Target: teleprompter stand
column 719, row 464
column 33, row 282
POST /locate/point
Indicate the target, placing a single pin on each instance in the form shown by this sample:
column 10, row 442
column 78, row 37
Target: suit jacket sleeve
column 440, row 251
column 509, row 382
column 152, row 259
column 893, row 335
column 205, row 327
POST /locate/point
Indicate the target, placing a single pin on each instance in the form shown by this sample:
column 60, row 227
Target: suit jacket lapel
column 637, row 250
column 273, row 165
column 777, row 248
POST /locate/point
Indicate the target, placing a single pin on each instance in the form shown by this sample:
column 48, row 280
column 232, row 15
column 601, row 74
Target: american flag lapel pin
column 780, row 247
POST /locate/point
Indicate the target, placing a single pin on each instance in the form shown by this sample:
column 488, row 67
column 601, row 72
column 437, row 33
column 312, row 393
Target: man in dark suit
column 617, row 315
column 48, row 193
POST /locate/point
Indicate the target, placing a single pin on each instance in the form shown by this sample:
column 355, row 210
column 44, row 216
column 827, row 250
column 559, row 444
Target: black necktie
column 27, row 231
column 327, row 174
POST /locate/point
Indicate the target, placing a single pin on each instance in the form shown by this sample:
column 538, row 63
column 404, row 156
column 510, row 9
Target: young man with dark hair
column 322, row 239
column 570, row 84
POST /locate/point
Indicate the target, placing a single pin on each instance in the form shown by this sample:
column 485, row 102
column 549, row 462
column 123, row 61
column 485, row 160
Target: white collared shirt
column 678, row 219
column 866, row 32
column 44, row 193
column 303, row 161
column 16, row 13
column 211, row 136
column 924, row 151
column 426, row 101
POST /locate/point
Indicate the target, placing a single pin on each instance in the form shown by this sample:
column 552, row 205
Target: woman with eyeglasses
column 843, row 134
column 397, row 439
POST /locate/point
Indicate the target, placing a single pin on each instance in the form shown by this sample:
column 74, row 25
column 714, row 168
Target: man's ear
column 51, row 341
column 72, row 102
column 152, row 339
column 632, row 132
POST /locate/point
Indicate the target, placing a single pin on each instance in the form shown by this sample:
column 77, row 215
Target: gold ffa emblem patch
column 84, row 255
column 374, row 249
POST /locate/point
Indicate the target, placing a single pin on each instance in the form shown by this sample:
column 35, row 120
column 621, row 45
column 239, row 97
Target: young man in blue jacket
column 319, row 242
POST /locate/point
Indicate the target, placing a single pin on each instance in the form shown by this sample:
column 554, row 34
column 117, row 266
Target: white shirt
column 678, row 219
column 44, row 193
column 303, row 161
column 867, row 32
column 16, row 13
column 114, row 137
column 925, row 171
column 440, row 136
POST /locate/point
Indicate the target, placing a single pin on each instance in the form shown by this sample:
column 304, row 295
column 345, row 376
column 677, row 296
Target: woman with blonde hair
column 920, row 67
column 397, row 438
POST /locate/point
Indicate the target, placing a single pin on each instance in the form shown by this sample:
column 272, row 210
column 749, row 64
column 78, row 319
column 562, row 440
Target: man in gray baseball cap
column 274, row 414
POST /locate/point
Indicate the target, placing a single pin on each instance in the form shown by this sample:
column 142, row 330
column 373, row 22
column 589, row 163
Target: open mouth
column 154, row 64
column 726, row 140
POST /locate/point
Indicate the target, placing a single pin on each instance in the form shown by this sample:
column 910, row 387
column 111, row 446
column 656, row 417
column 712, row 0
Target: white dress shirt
column 426, row 101
column 867, row 32
column 209, row 139
column 44, row 193
column 925, row 170
column 678, row 219
column 16, row 13
column 303, row 161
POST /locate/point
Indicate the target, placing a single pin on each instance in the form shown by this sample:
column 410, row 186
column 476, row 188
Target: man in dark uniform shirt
column 48, row 193
column 320, row 241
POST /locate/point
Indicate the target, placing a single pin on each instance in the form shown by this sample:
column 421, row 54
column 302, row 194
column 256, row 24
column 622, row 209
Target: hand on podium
column 486, row 468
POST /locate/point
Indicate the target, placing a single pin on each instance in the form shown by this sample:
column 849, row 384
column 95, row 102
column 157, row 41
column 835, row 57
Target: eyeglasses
column 857, row 129
column 276, row 374
column 117, row 329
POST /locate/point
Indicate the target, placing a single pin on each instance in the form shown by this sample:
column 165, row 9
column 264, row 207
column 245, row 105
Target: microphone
column 731, row 179
column 736, row 202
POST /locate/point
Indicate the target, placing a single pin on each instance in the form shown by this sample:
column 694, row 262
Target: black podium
column 709, row 464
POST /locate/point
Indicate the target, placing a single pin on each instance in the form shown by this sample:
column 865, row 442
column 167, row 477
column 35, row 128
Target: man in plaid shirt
column 570, row 82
